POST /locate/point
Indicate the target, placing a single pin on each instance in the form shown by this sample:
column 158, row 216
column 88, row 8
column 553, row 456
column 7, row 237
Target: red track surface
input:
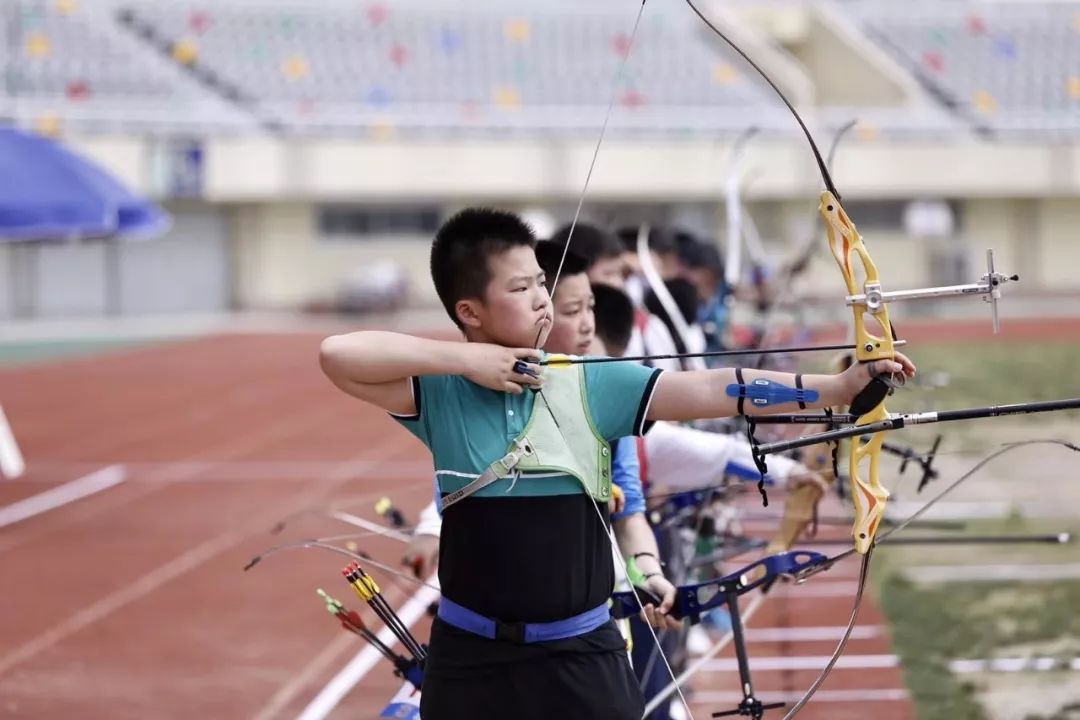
column 131, row 603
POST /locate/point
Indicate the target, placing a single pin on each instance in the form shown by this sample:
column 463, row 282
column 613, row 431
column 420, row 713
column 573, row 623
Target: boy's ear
column 468, row 312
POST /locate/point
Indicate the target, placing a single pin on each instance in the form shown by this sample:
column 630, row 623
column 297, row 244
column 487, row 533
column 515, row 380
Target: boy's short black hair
column 590, row 242
column 689, row 248
column 463, row 247
column 614, row 317
column 703, row 256
column 686, row 300
column 549, row 254
column 661, row 241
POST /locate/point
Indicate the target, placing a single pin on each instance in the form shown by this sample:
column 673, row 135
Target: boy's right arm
column 375, row 366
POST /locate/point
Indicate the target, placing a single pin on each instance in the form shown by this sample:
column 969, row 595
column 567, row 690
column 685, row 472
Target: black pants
column 567, row 680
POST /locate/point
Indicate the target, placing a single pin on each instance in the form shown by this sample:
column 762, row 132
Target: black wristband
column 742, row 390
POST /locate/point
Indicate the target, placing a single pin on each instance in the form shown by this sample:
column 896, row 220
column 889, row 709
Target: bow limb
column 733, row 212
column 695, row 599
column 320, row 544
column 783, row 287
column 656, row 283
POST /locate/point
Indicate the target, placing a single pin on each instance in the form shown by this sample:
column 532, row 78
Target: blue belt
column 464, row 619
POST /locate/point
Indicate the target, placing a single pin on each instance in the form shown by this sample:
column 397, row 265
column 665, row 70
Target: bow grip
column 871, row 396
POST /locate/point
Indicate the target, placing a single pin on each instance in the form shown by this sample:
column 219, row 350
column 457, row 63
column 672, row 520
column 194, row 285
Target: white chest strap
column 499, row 469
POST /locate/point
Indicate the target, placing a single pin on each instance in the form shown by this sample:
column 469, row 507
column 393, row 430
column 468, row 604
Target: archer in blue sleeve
column 626, row 473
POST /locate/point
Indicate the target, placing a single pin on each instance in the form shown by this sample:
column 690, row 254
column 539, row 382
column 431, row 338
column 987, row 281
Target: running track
column 131, row 602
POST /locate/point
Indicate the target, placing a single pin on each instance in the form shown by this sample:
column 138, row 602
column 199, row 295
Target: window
column 897, row 215
column 345, row 221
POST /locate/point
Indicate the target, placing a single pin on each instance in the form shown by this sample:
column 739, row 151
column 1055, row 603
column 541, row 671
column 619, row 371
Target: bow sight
column 988, row 286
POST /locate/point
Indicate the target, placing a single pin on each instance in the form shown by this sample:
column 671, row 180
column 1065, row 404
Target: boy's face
column 516, row 307
column 667, row 264
column 705, row 281
column 575, row 325
column 609, row 271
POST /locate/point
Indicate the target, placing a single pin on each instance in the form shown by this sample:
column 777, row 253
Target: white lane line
column 804, row 662
column 95, row 482
column 224, row 471
column 811, row 633
column 829, row 696
column 319, row 664
column 342, row 683
column 1016, row 664
column 820, row 589
column 993, row 573
column 161, row 575
column 109, row 604
column 12, row 464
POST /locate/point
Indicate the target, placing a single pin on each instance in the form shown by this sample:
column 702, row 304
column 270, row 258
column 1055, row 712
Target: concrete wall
column 1056, row 256
column 244, row 170
column 468, row 169
column 1021, row 199
column 281, row 261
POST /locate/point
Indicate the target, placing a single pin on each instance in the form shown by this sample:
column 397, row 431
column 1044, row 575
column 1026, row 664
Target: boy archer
column 525, row 561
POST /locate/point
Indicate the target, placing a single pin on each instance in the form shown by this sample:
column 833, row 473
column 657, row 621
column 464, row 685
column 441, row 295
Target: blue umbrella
column 49, row 193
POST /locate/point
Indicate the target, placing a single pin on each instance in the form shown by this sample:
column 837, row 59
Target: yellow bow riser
column 846, row 244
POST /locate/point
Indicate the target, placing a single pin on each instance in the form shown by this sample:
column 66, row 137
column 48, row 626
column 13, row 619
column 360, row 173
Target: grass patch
column 932, row 625
column 927, row 630
column 986, row 373
column 996, row 373
column 892, row 558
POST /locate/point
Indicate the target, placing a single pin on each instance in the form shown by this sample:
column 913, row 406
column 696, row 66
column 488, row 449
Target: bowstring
column 600, row 141
column 558, row 273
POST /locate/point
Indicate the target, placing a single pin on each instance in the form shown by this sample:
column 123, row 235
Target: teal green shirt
column 467, row 427
column 537, row 549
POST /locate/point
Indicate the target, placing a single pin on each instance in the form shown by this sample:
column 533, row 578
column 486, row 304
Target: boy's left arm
column 704, row 394
column 636, row 540
column 634, row 535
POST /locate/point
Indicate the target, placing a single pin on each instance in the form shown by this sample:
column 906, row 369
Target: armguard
column 765, row 393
